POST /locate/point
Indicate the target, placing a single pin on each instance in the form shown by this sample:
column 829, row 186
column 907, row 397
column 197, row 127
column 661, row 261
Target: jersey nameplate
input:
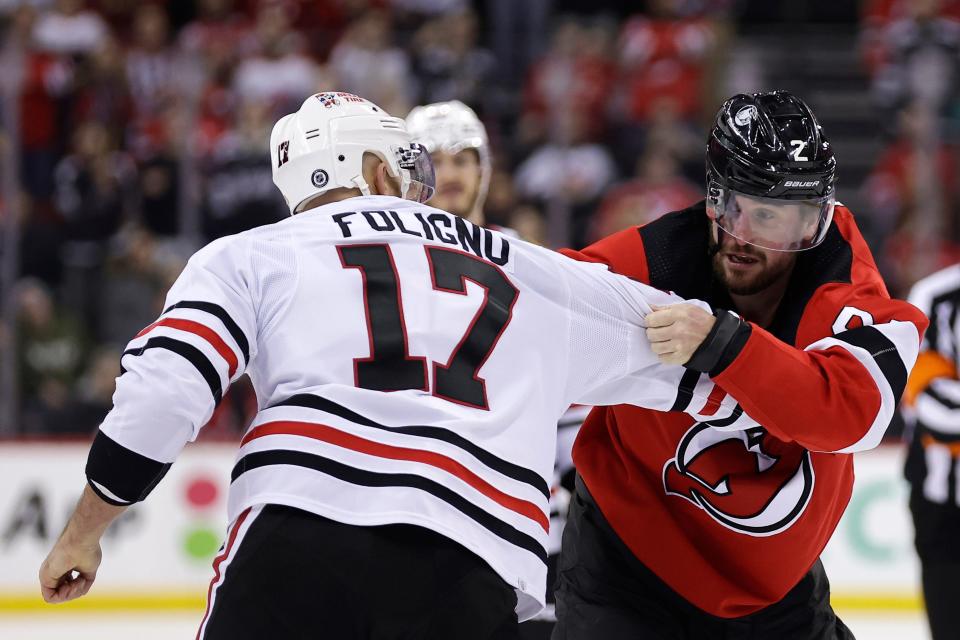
column 435, row 227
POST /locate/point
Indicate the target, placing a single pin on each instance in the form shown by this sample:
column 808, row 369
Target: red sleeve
column 623, row 252
column 838, row 388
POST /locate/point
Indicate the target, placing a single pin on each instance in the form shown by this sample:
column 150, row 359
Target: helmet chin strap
column 362, row 185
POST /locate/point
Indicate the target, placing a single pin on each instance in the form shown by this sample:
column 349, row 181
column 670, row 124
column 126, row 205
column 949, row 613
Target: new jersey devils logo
column 745, row 480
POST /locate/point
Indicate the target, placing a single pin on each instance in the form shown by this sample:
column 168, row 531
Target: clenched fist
column 676, row 331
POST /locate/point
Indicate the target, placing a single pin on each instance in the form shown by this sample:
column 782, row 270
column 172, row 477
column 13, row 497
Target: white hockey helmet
column 321, row 147
column 452, row 127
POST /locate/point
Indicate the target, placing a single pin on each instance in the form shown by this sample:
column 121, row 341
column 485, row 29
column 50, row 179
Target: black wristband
column 121, row 476
column 725, row 340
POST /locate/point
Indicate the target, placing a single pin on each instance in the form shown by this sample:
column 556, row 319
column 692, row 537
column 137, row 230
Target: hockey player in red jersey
column 687, row 526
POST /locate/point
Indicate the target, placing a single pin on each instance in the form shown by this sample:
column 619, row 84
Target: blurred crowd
column 143, row 129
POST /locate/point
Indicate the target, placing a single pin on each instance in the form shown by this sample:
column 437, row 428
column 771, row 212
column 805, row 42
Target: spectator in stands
column 448, row 62
column 70, row 29
column 156, row 147
column 912, row 196
column 41, row 240
column 217, row 28
column 152, row 64
column 94, row 185
column 51, row 345
column 920, row 58
column 518, row 36
column 663, row 63
column 238, row 187
column 878, row 15
column 45, row 79
column 576, row 75
column 367, row 63
column 657, row 188
column 102, row 94
column 663, row 54
column 569, row 172
column 279, row 71
column 94, row 195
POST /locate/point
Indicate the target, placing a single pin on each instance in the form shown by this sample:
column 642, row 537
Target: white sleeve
column 175, row 372
column 610, row 357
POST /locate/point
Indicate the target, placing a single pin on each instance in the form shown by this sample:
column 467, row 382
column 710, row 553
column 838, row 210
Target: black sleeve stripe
column 942, row 399
column 193, row 355
column 129, row 475
column 214, row 309
column 884, row 353
column 685, row 391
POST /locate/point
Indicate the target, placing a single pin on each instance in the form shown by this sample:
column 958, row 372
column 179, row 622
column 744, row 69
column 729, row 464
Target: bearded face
column 745, row 269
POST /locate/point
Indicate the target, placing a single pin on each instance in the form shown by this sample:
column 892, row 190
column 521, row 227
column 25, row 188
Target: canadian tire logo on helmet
column 745, row 480
column 328, row 100
column 319, row 178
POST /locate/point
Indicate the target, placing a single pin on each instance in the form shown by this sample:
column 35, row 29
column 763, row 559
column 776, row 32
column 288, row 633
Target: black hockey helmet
column 771, row 172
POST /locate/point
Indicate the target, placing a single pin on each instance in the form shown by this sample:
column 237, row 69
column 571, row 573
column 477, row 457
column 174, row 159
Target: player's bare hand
column 69, row 570
column 675, row 332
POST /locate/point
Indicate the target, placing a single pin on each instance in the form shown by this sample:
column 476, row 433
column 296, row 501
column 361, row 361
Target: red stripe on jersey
column 204, row 332
column 339, row 438
column 219, row 559
column 712, row 405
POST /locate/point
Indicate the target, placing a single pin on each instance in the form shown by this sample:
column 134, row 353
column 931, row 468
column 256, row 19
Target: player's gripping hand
column 676, row 331
column 70, row 569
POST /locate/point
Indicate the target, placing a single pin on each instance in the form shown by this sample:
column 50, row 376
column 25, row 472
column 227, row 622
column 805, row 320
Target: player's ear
column 384, row 183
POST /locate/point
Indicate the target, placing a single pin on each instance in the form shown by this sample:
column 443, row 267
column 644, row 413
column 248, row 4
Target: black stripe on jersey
column 942, row 399
column 365, row 478
column 127, row 474
column 200, row 362
column 219, row 312
column 518, row 473
column 685, row 391
column 884, row 353
column 729, row 420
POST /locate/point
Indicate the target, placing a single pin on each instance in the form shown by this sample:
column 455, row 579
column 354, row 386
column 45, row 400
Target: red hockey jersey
column 732, row 519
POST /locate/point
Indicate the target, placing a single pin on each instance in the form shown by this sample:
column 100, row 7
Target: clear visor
column 417, row 177
column 769, row 223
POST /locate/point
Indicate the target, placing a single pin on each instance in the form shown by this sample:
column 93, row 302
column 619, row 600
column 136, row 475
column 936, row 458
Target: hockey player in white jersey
column 460, row 149
column 409, row 368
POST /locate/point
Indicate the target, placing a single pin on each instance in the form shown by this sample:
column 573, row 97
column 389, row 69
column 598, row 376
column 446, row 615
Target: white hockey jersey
column 409, row 367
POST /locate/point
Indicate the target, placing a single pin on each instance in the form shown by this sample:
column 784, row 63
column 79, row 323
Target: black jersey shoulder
column 676, row 247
